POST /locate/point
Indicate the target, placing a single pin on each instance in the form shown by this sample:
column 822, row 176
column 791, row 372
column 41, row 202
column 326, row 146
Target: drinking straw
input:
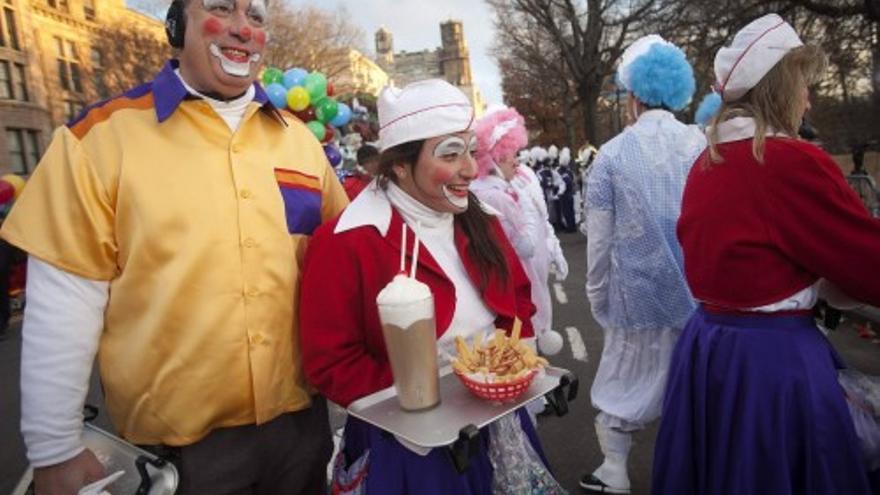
column 415, row 256
column 517, row 328
column 403, row 250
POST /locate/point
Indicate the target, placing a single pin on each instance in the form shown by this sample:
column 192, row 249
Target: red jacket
column 344, row 354
column 354, row 184
column 753, row 234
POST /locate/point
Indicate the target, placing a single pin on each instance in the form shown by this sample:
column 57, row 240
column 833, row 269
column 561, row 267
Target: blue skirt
column 753, row 406
column 393, row 469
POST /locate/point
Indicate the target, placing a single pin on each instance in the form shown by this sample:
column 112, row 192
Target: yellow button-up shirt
column 200, row 232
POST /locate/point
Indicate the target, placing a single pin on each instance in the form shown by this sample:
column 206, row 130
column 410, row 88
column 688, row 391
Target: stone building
column 451, row 61
column 362, row 75
column 48, row 49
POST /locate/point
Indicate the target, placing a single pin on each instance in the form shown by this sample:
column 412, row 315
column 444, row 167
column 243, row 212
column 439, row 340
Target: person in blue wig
column 635, row 281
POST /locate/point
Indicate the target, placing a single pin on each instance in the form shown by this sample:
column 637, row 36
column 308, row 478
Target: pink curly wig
column 513, row 140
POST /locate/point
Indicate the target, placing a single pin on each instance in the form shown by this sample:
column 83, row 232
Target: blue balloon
column 294, row 77
column 333, row 154
column 277, row 95
column 343, row 116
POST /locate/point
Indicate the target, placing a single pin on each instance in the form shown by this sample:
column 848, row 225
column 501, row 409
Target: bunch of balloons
column 10, row 187
column 310, row 97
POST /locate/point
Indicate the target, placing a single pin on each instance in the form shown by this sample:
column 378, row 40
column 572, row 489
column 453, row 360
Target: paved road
column 569, row 441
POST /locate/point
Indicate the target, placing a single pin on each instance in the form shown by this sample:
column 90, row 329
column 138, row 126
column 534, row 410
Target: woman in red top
column 753, row 404
column 476, row 279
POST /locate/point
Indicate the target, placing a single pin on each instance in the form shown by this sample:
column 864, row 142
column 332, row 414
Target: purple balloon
column 333, row 154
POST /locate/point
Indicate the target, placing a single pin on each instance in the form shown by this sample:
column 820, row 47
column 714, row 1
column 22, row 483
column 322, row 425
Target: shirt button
column 256, row 339
column 252, row 292
column 249, row 243
column 246, row 193
column 236, row 148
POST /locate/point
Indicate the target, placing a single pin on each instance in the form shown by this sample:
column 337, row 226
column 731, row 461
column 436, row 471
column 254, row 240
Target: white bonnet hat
column 422, row 110
column 755, row 50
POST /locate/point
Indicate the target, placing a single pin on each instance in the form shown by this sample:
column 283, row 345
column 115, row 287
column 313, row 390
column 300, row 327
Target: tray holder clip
column 467, row 446
column 567, row 391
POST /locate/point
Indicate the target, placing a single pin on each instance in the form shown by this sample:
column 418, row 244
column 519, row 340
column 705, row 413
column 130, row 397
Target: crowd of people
column 194, row 241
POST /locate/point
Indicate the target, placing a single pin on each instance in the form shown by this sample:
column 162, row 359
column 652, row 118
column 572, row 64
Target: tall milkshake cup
column 406, row 309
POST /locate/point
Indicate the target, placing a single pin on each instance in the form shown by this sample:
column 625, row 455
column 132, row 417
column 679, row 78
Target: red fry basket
column 501, row 392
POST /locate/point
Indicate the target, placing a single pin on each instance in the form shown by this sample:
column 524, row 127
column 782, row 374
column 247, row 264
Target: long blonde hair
column 775, row 102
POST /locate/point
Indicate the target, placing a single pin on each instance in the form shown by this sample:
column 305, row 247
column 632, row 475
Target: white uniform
column 547, row 248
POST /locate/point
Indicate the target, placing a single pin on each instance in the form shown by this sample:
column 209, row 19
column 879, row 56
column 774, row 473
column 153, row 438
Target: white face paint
column 258, row 11
column 460, row 202
column 451, row 149
column 231, row 67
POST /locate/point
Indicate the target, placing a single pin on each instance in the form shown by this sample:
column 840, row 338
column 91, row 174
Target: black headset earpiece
column 175, row 24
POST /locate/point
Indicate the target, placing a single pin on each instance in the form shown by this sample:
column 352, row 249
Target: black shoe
column 594, row 484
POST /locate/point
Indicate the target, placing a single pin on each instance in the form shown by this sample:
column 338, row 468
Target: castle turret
column 384, row 47
column 455, row 57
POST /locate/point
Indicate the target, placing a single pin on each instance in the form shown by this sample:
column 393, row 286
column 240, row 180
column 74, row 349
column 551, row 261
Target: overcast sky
column 415, row 25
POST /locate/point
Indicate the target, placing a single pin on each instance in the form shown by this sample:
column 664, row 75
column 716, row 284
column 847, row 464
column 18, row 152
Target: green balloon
column 273, row 75
column 316, row 84
column 317, row 129
column 326, row 109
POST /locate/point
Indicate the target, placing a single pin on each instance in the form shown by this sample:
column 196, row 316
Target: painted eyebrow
column 450, row 145
column 257, row 7
column 209, row 4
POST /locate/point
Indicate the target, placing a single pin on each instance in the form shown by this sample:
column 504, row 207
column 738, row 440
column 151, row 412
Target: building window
column 97, row 59
column 19, row 82
column 8, row 31
column 24, row 150
column 72, row 108
column 12, row 81
column 69, row 73
column 89, row 9
column 6, row 90
column 58, row 4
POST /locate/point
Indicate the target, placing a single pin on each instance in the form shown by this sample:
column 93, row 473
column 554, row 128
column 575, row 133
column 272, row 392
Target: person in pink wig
column 501, row 134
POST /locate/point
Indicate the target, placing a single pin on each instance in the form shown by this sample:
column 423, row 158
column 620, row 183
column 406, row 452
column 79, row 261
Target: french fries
column 501, row 359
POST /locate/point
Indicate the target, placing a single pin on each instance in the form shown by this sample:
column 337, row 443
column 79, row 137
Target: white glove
column 561, row 268
column 557, row 258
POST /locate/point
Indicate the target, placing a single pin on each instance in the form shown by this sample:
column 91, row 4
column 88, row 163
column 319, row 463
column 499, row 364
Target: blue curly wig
column 710, row 105
column 662, row 77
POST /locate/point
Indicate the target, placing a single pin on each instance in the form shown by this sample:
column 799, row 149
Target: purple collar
column 168, row 92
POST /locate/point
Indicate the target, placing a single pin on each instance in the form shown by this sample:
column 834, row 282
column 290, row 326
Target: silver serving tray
column 116, row 454
column 458, row 408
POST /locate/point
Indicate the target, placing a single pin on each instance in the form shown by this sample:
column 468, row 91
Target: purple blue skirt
column 393, row 469
column 753, row 406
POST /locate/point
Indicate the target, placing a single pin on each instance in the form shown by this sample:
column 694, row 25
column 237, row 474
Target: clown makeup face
column 442, row 175
column 507, row 167
column 223, row 45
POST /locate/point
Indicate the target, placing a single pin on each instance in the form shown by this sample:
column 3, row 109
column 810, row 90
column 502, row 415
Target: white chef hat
column 538, row 153
column 755, row 50
column 564, row 156
column 422, row 110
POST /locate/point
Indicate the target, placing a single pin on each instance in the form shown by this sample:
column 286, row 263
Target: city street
column 569, row 441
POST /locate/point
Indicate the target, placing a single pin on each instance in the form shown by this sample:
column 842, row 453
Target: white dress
column 547, row 249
